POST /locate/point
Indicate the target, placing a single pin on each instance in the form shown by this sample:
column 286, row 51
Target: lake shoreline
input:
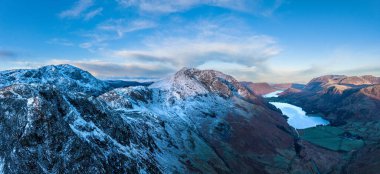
column 296, row 116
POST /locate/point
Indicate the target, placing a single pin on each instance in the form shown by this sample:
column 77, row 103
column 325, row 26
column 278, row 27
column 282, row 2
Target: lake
column 297, row 117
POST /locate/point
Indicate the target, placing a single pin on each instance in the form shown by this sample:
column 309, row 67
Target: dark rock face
column 60, row 119
column 43, row 132
column 366, row 160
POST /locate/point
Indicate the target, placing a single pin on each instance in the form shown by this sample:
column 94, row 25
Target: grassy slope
column 332, row 138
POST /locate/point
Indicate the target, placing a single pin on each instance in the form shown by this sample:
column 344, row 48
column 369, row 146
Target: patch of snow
column 180, row 85
column 30, row 101
column 2, row 164
column 89, row 132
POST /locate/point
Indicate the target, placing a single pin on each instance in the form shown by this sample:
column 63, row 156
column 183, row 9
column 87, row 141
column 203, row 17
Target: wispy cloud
column 159, row 6
column 93, row 13
column 204, row 44
column 121, row 26
column 60, row 41
column 340, row 61
column 269, row 10
column 111, row 30
column 6, row 54
column 122, row 70
column 220, row 41
column 77, row 9
column 196, row 51
column 81, row 9
column 205, row 41
column 170, row 6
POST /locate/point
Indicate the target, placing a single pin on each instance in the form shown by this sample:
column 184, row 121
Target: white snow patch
column 2, row 165
column 30, row 101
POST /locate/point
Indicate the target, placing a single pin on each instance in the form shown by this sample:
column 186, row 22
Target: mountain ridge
column 156, row 129
column 193, row 121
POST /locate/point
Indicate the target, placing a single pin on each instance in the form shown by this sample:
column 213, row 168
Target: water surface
column 273, row 94
column 297, row 117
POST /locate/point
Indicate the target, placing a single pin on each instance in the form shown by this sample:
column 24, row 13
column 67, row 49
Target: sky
column 274, row 41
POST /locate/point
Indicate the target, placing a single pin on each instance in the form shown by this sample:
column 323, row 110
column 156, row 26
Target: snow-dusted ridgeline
column 62, row 119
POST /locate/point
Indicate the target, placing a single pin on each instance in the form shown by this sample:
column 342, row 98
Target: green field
column 332, row 138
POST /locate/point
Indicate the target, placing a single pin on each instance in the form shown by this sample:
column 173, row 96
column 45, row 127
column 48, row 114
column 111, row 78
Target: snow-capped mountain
column 64, row 77
column 60, row 119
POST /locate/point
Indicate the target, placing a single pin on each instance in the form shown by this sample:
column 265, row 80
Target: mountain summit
column 191, row 82
column 64, row 77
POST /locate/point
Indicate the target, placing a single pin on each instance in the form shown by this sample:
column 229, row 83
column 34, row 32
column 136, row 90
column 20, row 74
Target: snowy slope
column 65, row 77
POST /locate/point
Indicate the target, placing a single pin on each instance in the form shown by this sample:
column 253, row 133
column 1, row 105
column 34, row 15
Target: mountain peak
column 190, row 82
column 186, row 69
column 63, row 76
column 60, row 66
column 345, row 80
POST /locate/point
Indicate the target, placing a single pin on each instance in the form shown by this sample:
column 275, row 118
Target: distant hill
column 339, row 97
column 265, row 88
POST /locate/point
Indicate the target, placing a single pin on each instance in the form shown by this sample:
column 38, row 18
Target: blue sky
column 255, row 40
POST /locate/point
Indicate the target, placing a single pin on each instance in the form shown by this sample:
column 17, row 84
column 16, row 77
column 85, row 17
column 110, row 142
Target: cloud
column 169, row 6
column 202, row 42
column 196, row 51
column 363, row 70
column 60, row 41
column 122, row 70
column 219, row 42
column 269, row 10
column 222, row 40
column 122, row 26
column 6, row 54
column 76, row 10
column 238, row 71
column 304, row 75
column 81, row 9
column 159, row 6
column 93, row 13
column 111, row 30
